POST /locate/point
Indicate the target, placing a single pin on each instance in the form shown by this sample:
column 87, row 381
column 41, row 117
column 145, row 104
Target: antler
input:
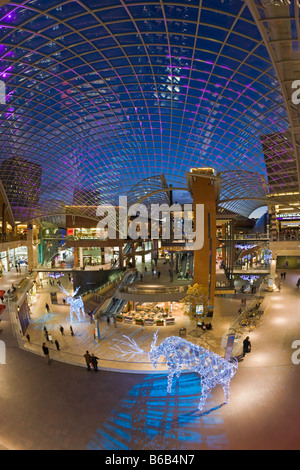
column 154, row 340
column 134, row 348
column 78, row 288
column 64, row 290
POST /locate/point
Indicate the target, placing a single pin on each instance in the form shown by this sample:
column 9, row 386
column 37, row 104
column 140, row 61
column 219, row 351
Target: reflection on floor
column 147, row 418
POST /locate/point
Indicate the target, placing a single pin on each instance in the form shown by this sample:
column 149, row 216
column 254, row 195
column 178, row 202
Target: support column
column 121, row 258
column 32, row 248
column 204, row 190
column 76, row 262
column 81, row 257
column 7, row 257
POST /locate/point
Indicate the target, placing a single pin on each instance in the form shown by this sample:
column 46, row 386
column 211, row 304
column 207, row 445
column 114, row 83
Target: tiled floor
column 62, row 406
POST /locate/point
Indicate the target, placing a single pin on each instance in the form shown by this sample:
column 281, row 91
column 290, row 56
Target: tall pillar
column 81, row 257
column 75, row 257
column 273, row 227
column 7, row 257
column 32, row 247
column 121, row 257
column 204, row 187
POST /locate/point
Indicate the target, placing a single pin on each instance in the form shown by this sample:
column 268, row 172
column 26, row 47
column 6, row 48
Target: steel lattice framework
column 102, row 94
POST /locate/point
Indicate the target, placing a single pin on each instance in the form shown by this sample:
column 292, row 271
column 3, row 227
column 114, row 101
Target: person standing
column 61, row 328
column 28, row 337
column 95, row 362
column 71, row 330
column 246, row 346
column 46, row 353
column 46, row 333
column 47, row 308
column 57, row 345
column 88, row 360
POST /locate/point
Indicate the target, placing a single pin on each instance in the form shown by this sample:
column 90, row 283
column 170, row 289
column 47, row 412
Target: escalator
column 115, row 305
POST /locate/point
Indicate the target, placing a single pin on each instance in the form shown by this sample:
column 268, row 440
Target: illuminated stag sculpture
column 76, row 305
column 181, row 354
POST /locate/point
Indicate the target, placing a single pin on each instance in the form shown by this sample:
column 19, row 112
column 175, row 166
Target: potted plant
column 119, row 317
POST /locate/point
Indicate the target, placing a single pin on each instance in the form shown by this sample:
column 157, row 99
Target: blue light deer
column 183, row 355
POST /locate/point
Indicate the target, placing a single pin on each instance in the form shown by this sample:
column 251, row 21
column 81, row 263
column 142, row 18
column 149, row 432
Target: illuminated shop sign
column 288, row 216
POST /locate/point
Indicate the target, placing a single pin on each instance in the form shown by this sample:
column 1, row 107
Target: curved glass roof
column 102, row 94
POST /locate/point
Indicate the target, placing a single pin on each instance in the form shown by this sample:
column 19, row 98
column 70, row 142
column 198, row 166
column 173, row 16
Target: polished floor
column 65, row 407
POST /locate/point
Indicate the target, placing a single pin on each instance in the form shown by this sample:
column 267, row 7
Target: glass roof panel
column 104, row 94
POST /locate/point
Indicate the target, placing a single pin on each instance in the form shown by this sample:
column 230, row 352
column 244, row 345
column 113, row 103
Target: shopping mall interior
column 150, row 216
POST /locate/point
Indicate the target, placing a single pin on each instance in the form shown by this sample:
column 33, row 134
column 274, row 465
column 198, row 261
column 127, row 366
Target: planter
column 139, row 322
column 160, row 323
column 119, row 318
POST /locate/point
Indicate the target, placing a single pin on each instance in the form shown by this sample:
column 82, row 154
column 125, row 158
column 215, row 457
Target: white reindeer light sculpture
column 181, row 354
column 76, row 305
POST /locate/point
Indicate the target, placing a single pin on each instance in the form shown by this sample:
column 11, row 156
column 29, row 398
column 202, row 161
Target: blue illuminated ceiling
column 105, row 93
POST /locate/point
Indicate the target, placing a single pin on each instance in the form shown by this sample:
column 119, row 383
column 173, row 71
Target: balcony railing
column 8, row 237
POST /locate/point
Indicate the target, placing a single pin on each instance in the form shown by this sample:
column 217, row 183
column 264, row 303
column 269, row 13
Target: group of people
column 91, row 361
column 49, row 339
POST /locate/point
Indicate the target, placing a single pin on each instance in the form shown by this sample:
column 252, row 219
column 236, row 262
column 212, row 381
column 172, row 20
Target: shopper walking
column 46, row 333
column 47, row 308
column 46, row 352
column 57, row 345
column 95, row 362
column 88, row 360
column 71, row 330
column 246, row 346
column 61, row 329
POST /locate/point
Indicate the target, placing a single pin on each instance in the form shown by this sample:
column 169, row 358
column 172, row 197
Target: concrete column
column 121, row 258
column 7, row 257
column 81, row 257
column 204, row 192
column 76, row 262
column 32, row 249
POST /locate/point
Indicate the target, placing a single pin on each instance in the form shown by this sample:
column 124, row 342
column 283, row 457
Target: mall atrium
column 150, row 214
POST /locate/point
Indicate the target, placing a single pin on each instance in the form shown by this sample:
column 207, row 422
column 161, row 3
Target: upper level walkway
column 61, row 406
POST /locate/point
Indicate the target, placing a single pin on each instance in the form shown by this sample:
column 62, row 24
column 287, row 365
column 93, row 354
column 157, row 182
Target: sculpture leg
column 170, row 380
column 204, row 394
column 226, row 391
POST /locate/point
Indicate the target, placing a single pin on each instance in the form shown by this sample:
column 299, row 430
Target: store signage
column 288, row 216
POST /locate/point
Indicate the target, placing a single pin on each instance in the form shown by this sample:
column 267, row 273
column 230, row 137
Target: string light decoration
column 249, row 278
column 55, row 275
column 76, row 305
column 244, row 247
column 181, row 354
